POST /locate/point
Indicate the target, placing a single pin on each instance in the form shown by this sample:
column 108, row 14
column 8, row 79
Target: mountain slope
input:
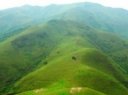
column 74, row 73
column 95, row 15
column 68, row 91
column 27, row 47
column 54, row 41
column 100, row 17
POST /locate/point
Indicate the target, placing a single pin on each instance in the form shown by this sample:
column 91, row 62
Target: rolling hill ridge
column 64, row 48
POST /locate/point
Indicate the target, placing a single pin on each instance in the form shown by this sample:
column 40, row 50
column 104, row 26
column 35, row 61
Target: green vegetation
column 64, row 48
column 68, row 91
column 72, row 72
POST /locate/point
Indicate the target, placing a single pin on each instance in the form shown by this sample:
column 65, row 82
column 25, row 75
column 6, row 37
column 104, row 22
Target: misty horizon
column 12, row 3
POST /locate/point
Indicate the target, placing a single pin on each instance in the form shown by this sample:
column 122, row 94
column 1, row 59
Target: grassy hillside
column 48, row 46
column 73, row 73
column 75, row 49
column 66, row 91
column 21, row 53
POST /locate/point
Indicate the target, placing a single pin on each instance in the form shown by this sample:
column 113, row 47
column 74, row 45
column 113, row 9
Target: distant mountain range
column 73, row 49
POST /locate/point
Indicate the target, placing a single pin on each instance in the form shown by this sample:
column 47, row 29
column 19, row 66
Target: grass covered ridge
column 61, row 51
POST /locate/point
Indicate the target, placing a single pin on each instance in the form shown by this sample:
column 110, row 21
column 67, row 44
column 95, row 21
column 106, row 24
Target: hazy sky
column 14, row 3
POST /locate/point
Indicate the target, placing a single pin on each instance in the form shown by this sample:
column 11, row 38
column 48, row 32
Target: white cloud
column 13, row 3
column 113, row 3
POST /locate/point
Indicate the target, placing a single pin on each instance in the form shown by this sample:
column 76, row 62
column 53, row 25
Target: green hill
column 68, row 91
column 43, row 45
column 108, row 19
column 100, row 17
column 57, row 48
column 74, row 73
